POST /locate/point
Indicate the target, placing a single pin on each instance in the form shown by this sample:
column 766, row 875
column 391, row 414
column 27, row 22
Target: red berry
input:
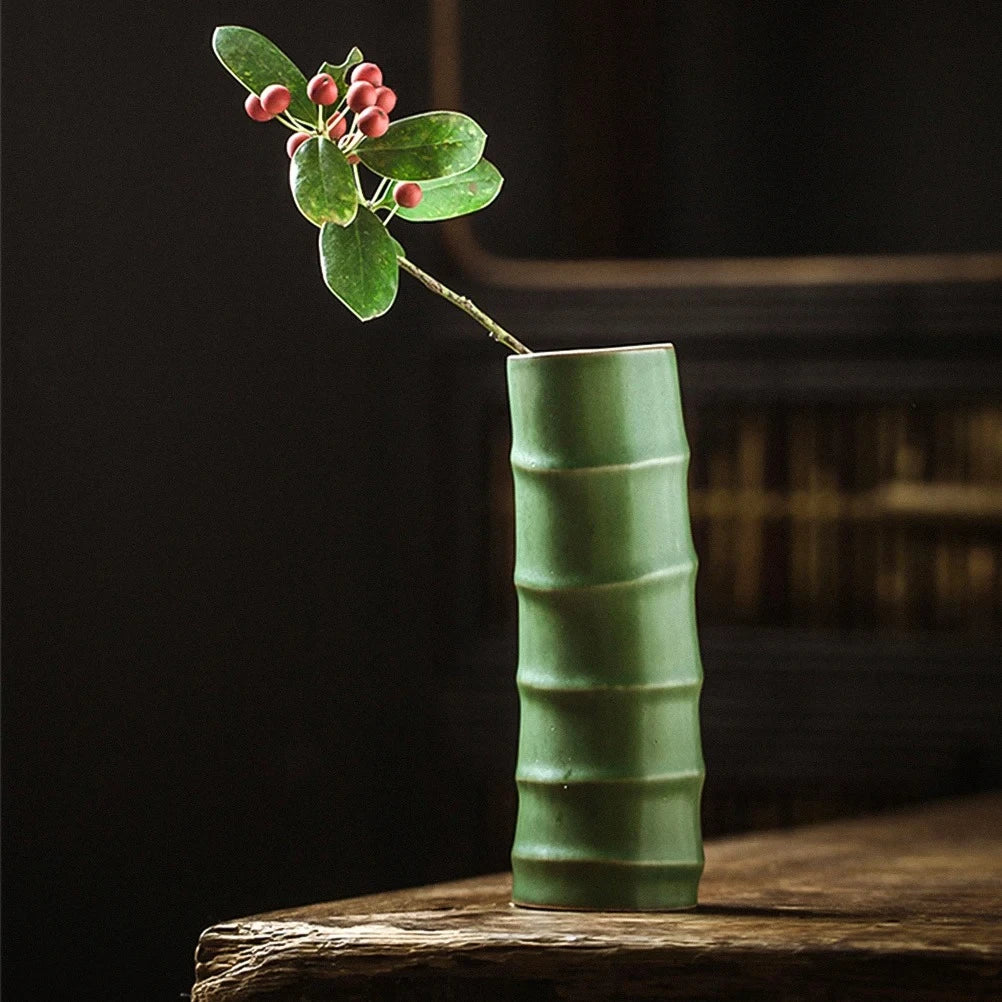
column 253, row 108
column 353, row 158
column 373, row 122
column 295, row 141
column 361, row 95
column 385, row 99
column 369, row 72
column 337, row 127
column 407, row 194
column 322, row 89
column 275, row 99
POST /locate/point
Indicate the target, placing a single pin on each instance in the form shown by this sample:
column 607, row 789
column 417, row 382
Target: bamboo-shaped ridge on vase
column 610, row 768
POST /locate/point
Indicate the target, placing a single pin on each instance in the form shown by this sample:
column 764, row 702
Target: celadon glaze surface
column 610, row 767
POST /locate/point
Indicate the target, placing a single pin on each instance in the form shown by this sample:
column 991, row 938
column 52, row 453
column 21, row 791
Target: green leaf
column 257, row 62
column 398, row 246
column 453, row 196
column 323, row 183
column 422, row 147
column 339, row 71
column 359, row 264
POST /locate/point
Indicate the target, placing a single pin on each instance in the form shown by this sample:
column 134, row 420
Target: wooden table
column 905, row 905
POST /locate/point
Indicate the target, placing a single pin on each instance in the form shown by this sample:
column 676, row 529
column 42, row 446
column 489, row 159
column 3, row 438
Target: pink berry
column 294, row 142
column 353, row 158
column 337, row 127
column 361, row 95
column 253, row 108
column 386, row 99
column 275, row 99
column 373, row 122
column 407, row 194
column 369, row 72
column 322, row 89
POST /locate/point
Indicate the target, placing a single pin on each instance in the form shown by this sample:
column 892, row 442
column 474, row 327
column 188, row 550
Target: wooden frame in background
column 445, row 50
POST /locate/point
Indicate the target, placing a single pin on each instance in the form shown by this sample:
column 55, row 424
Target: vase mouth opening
column 613, row 349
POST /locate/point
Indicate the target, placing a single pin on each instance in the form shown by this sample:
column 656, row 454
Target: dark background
column 235, row 519
column 216, row 596
column 720, row 128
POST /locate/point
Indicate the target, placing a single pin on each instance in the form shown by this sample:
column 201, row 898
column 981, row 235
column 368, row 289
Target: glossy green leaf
column 339, row 71
column 398, row 246
column 423, row 147
column 453, row 196
column 323, row 183
column 359, row 264
column 256, row 62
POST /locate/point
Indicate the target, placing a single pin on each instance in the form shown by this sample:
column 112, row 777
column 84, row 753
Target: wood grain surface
column 904, row 905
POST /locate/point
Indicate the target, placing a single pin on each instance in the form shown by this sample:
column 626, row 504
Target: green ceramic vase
column 610, row 767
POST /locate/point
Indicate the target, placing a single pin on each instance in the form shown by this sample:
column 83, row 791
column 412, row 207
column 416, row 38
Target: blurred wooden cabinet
column 844, row 413
column 846, row 498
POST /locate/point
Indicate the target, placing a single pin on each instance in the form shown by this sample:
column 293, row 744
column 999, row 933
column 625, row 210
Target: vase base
column 585, row 885
column 533, row 906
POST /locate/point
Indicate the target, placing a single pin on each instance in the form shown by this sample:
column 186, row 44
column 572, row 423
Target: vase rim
column 564, row 352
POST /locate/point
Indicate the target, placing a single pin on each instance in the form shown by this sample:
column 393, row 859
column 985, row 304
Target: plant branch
column 495, row 330
column 380, row 191
column 287, row 122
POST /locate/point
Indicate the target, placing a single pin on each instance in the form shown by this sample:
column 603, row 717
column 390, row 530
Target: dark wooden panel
column 798, row 726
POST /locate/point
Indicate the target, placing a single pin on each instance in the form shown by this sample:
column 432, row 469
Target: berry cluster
column 367, row 99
